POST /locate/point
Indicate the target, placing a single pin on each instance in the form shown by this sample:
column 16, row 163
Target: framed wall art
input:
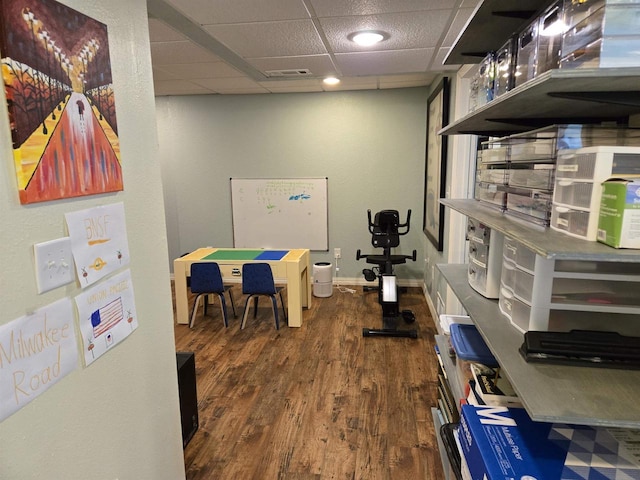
column 57, row 78
column 436, row 163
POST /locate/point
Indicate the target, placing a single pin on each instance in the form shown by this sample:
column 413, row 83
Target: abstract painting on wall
column 57, row 77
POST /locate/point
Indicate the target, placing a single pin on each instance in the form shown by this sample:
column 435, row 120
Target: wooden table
column 290, row 266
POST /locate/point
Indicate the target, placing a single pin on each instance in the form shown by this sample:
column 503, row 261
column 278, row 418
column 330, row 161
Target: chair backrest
column 385, row 229
column 257, row 278
column 206, row 278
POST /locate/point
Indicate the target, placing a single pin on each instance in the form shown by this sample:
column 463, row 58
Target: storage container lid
column 469, row 345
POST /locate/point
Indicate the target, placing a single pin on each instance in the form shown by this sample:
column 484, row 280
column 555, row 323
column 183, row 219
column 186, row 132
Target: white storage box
column 597, row 163
column 576, row 207
column 447, row 320
column 576, row 223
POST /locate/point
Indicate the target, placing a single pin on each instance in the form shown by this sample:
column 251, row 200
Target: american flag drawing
column 106, row 317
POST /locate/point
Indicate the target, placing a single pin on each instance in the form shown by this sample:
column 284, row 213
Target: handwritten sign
column 98, row 241
column 36, row 351
column 107, row 315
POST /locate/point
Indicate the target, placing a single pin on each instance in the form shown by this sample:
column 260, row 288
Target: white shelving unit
column 550, row 393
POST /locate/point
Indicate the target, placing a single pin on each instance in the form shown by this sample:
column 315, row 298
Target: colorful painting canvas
column 57, row 76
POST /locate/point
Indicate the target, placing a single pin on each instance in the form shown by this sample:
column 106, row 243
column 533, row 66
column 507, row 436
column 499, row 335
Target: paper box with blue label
column 501, row 443
column 619, row 220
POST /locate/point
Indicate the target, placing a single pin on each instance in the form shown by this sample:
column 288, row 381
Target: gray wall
column 370, row 145
column 118, row 418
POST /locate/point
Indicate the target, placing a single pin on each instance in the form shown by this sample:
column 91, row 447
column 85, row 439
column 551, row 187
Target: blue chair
column 257, row 280
column 206, row 279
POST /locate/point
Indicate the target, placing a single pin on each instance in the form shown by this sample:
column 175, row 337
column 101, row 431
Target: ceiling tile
column 406, row 30
column 190, row 71
column 333, row 8
column 270, row 39
column 234, row 83
column 383, row 63
column 159, row 73
column 406, row 80
column 161, row 32
column 318, row 65
column 178, row 87
column 226, row 46
column 294, row 85
column 210, row 12
column 438, row 61
column 359, row 83
column 460, row 20
column 164, row 53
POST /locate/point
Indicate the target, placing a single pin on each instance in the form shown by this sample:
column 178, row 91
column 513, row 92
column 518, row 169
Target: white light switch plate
column 54, row 264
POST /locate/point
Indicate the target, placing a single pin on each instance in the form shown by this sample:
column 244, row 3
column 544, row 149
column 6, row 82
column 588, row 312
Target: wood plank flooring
column 317, row 402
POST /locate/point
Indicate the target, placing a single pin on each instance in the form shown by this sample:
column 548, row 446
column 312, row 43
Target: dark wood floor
column 316, row 402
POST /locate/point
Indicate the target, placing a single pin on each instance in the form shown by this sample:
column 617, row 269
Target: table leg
column 182, row 298
column 294, row 295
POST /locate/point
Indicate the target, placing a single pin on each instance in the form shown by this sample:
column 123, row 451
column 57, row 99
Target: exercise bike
column 386, row 230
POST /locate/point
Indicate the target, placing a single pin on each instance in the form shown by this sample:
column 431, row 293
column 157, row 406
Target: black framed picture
column 436, row 163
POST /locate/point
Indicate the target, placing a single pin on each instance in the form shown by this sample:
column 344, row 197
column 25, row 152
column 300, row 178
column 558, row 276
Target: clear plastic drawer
column 537, row 175
column 534, row 204
column 607, row 52
column 575, row 11
column 574, row 194
column 505, row 61
column 526, row 57
column 486, row 174
column 578, row 223
column 478, row 251
column 505, row 303
column 510, row 250
column 492, row 194
column 493, row 154
column 478, row 231
column 508, row 276
column 597, row 163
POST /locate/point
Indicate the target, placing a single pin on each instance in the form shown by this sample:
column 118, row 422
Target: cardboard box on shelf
column 619, row 220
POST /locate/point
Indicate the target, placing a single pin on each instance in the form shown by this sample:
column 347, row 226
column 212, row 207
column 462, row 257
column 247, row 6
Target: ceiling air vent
column 291, row 72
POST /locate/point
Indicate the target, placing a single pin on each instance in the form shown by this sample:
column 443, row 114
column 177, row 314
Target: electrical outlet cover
column 54, row 264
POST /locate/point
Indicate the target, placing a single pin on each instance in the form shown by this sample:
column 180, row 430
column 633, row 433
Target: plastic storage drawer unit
column 485, row 259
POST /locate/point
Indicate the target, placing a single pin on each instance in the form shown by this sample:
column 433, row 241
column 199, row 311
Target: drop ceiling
column 278, row 46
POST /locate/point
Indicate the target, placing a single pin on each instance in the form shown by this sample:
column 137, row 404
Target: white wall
column 119, row 418
column 370, row 145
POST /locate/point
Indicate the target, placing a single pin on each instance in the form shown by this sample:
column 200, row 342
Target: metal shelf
column 543, row 241
column 502, row 18
column 556, row 97
column 550, row 393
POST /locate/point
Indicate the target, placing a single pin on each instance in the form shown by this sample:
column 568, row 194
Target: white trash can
column 322, row 279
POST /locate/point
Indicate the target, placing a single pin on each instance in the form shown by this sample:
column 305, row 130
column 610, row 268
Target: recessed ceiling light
column 331, row 81
column 367, row 38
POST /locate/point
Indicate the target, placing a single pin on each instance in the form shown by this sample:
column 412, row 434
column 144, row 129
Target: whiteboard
column 280, row 213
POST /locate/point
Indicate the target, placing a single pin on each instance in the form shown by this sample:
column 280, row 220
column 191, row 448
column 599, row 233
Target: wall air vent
column 290, row 72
